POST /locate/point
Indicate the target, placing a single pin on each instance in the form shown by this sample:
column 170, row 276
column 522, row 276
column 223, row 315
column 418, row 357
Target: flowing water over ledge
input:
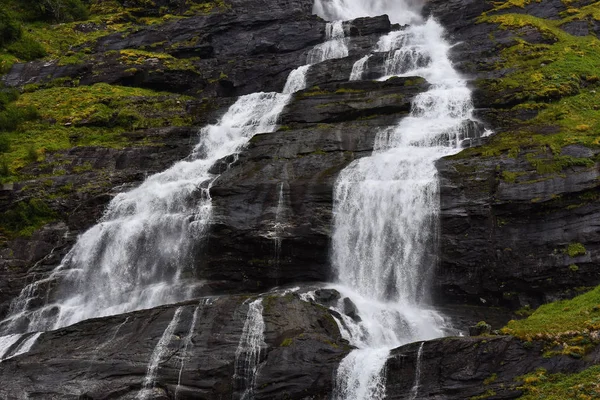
column 384, row 244
column 385, row 219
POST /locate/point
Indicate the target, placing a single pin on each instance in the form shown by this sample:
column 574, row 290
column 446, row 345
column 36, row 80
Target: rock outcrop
column 111, row 357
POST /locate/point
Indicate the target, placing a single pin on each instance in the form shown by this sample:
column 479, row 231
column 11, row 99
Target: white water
column 133, row 259
column 335, row 46
column 247, row 355
column 414, row 392
column 6, row 342
column 399, row 11
column 157, row 355
column 296, row 80
column 386, row 206
column 188, row 342
column 358, row 69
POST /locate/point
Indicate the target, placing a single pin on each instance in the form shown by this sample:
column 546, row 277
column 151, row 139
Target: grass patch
column 25, row 217
column 556, row 82
column 95, row 115
column 540, row 385
column 579, row 314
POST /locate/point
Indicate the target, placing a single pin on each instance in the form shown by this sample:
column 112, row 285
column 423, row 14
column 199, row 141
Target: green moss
column 541, row 385
column 491, row 379
column 573, row 268
column 557, row 81
column 25, row 217
column 286, row 342
column 87, row 115
column 575, row 315
column 139, row 57
column 347, row 90
column 575, row 249
column 488, row 393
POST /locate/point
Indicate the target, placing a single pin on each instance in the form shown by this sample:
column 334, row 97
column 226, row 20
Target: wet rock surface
column 505, row 242
column 462, row 368
column 109, row 357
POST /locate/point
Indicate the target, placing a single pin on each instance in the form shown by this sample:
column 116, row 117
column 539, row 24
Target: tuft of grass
column 541, row 385
column 575, row 249
column 567, row 316
column 25, row 217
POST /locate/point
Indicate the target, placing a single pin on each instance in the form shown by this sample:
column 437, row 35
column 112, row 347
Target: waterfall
column 399, row 11
column 187, row 342
column 247, row 355
column 134, row 258
column 414, row 392
column 359, row 375
column 335, row 45
column 9, row 346
column 296, row 80
column 358, row 69
column 156, row 357
column 386, row 206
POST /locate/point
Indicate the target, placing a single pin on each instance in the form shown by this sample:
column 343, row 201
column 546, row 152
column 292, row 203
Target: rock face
column 273, row 205
column 511, row 234
column 110, row 357
column 463, row 368
column 506, row 223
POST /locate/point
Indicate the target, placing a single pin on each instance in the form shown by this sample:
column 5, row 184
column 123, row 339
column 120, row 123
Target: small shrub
column 12, row 116
column 27, row 49
column 576, row 249
column 10, row 29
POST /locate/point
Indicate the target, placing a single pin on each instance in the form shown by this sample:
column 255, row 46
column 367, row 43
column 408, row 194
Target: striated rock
column 463, row 368
column 109, row 357
column 505, row 240
column 272, row 207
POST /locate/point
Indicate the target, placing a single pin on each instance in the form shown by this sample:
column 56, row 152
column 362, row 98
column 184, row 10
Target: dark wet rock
column 351, row 310
column 505, row 238
column 482, row 328
column 108, row 357
column 293, row 170
column 462, row 368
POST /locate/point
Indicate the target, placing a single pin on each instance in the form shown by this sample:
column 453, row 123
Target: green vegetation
column 488, row 393
column 575, row 249
column 540, row 385
column 25, row 217
column 83, row 115
column 556, row 82
column 574, row 317
column 287, row 342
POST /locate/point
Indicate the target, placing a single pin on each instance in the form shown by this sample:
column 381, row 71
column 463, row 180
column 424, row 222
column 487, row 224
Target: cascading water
column 399, row 11
column 386, row 206
column 334, row 47
column 414, row 392
column 133, row 259
column 358, row 69
column 247, row 355
column 157, row 355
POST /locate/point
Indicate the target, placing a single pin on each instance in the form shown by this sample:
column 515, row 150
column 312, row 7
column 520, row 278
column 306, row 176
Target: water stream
column 386, row 205
column 157, row 356
column 248, row 353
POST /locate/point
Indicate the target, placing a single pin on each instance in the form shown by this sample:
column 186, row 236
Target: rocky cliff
column 126, row 98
